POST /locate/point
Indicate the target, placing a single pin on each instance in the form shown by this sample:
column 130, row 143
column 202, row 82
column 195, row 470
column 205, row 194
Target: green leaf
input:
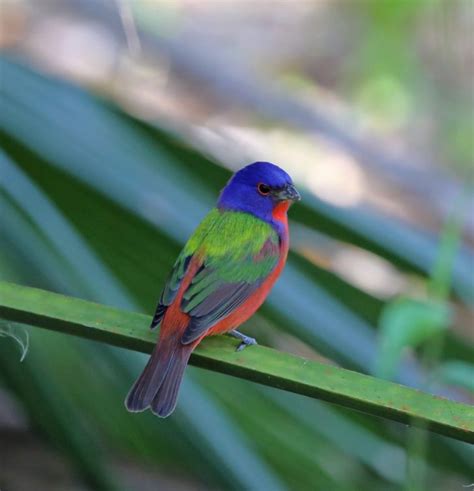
column 404, row 323
column 259, row 364
column 442, row 272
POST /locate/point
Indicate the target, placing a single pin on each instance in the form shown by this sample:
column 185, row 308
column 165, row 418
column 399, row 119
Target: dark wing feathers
column 216, row 306
column 171, row 288
column 159, row 314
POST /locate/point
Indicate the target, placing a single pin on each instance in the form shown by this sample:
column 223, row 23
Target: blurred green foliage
column 410, row 322
column 405, row 323
column 455, row 373
column 97, row 204
column 391, row 79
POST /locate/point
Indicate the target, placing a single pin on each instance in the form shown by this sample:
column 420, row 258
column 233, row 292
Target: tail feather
column 149, row 382
column 159, row 383
column 166, row 398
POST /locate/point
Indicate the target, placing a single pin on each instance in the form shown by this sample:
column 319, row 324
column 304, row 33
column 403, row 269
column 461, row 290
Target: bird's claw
column 244, row 340
column 247, row 341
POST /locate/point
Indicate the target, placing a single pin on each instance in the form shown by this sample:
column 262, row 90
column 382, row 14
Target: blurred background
column 120, row 121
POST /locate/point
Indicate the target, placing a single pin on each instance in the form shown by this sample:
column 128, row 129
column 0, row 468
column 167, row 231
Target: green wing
column 237, row 253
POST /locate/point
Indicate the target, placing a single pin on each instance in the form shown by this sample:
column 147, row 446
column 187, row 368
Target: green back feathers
column 229, row 233
column 230, row 242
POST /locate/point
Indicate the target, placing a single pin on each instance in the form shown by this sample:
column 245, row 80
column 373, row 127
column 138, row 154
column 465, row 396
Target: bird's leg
column 245, row 340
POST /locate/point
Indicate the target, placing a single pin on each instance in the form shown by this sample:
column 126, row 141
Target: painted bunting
column 222, row 276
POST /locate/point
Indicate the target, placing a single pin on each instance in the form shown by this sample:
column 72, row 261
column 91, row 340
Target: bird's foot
column 245, row 340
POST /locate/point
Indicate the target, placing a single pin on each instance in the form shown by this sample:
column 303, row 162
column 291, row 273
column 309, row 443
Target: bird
column 219, row 280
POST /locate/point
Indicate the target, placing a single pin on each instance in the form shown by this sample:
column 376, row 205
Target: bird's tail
column 158, row 385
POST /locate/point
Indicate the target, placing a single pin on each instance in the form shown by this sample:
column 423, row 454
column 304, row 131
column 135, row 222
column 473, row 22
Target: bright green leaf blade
column 263, row 365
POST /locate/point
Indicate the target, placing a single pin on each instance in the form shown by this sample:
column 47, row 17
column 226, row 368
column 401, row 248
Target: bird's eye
column 263, row 189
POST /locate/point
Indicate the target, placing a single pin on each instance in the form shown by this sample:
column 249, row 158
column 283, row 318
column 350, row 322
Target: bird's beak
column 288, row 193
